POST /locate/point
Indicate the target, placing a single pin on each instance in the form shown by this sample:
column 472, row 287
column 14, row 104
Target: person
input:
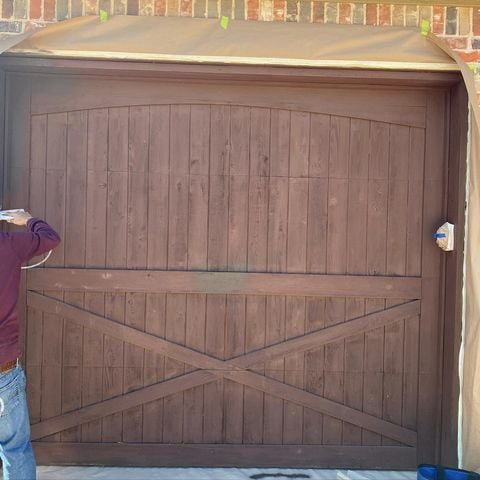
column 16, row 248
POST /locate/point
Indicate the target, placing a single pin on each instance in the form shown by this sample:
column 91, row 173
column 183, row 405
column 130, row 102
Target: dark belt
column 5, row 367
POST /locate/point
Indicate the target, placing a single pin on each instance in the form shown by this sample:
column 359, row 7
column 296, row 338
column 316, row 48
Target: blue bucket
column 436, row 472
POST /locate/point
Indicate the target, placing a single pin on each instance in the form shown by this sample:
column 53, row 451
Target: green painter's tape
column 473, row 67
column 103, row 16
column 425, row 27
column 224, row 22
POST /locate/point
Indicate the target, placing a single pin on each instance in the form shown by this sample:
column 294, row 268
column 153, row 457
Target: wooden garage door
column 247, row 275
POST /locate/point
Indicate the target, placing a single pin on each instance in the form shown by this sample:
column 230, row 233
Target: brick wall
column 459, row 26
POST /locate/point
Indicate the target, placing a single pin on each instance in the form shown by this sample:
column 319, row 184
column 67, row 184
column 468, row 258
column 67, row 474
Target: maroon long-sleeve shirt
column 15, row 249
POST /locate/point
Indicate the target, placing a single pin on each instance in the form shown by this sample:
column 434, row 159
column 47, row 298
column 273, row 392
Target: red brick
column 35, row 9
column 318, row 15
column 186, row 8
column 7, row 8
column 372, row 14
column 457, row 43
column 476, row 21
column 49, row 10
column 345, row 14
column 438, row 24
column 253, row 9
column 279, row 10
column 385, row 15
column 470, row 56
column 160, row 7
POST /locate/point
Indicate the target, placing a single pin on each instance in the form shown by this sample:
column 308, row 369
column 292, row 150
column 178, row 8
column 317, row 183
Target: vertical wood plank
column 239, row 140
column 176, row 304
column 116, row 257
column 259, row 142
column 173, row 404
column 396, row 263
column 339, row 154
column 55, row 215
column 194, row 405
column 177, row 226
column 317, row 225
column 34, row 346
column 299, row 144
column 431, row 324
column 316, row 263
column 200, row 139
column 257, row 261
column 238, row 223
column 218, row 223
column 137, row 235
column 279, row 143
column 314, row 371
column 234, row 346
column 154, row 368
column 220, row 140
column 215, row 347
column 157, row 244
column 296, row 262
column 376, row 265
column 356, row 265
column 97, row 161
column 277, row 262
column 413, row 268
column 237, row 261
column 74, row 257
column 319, row 145
column 254, row 399
column 159, row 141
column 179, row 131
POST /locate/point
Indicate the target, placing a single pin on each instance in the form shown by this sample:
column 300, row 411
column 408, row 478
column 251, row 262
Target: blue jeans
column 15, row 447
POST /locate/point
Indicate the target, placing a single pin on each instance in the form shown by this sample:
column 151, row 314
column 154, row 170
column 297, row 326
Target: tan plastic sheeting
column 179, row 39
column 470, row 375
column 471, row 363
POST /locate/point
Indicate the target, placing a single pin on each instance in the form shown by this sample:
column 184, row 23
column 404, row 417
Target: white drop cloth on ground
column 123, row 473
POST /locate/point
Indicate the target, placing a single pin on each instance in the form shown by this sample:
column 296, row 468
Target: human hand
column 18, row 217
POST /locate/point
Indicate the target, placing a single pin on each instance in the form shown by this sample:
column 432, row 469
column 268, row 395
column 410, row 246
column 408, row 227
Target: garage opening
column 248, row 275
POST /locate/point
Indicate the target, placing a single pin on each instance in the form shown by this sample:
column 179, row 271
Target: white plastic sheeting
column 119, row 473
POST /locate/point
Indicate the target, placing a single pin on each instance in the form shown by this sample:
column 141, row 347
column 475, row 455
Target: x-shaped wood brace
column 211, row 369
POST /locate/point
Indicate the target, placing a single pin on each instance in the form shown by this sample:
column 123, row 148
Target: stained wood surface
column 176, row 282
column 402, row 106
column 274, row 456
column 246, row 267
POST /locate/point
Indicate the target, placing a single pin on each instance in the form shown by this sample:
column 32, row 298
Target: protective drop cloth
column 122, row 473
column 243, row 42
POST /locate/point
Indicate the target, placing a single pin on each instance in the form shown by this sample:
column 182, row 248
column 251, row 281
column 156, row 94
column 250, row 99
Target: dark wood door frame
column 455, row 150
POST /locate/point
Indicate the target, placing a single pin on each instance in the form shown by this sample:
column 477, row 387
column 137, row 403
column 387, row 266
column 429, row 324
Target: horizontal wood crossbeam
column 229, row 369
column 161, row 281
column 210, row 455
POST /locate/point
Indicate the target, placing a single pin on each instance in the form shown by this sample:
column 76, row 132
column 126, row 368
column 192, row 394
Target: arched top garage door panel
column 391, row 105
